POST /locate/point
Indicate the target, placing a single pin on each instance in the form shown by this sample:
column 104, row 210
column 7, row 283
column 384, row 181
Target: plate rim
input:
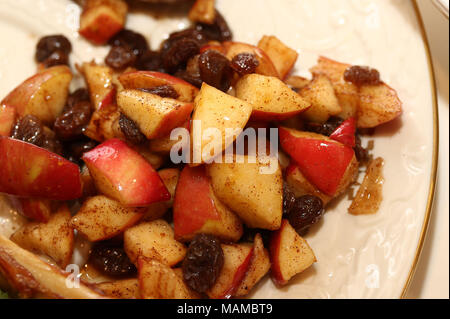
column 435, row 158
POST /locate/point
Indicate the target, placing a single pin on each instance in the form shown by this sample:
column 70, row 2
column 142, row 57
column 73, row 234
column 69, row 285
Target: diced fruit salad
column 94, row 166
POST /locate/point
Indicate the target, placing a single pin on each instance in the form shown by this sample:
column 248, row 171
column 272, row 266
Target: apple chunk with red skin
column 121, row 173
column 155, row 116
column 265, row 67
column 7, row 119
column 271, row 98
column 322, row 161
column 237, row 260
column 345, row 133
column 42, row 95
column 149, row 79
column 101, row 19
column 99, row 79
column 290, row 254
column 36, row 209
column 197, row 210
column 30, row 171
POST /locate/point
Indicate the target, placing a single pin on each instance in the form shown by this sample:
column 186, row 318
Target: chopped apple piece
column 121, row 289
column 259, row 267
column 265, row 67
column 155, row 116
column 301, row 186
column 345, row 133
column 270, row 97
column 153, row 240
column 149, row 79
column 104, row 124
column 327, row 164
column 121, row 173
column 164, row 145
column 101, row 19
column 237, row 260
column 42, row 95
column 297, row 82
column 28, row 274
column 54, row 239
column 324, row 103
column 159, row 281
column 378, row 104
column 255, row 197
column 101, row 218
column 217, row 110
column 197, row 210
column 203, row 11
column 282, row 56
column 7, row 119
column 290, row 254
column 346, row 92
column 30, row 171
column 35, row 208
column 99, row 79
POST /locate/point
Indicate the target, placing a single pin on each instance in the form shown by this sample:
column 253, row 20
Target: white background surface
column 432, row 277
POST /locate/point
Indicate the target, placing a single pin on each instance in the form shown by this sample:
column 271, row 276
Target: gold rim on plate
column 432, row 187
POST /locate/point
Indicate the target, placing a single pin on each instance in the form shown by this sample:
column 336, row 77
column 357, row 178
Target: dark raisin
column 288, row 199
column 326, row 128
column 111, row 260
column 215, row 69
column 81, row 94
column 50, row 44
column 130, row 130
column 218, row 31
column 362, row 154
column 163, row 91
column 189, row 33
column 245, row 63
column 193, row 79
column 306, row 211
column 51, row 143
column 120, row 58
column 78, row 148
column 150, row 61
column 179, row 53
column 362, row 75
column 71, row 123
column 56, row 58
column 203, row 262
column 29, row 129
column 131, row 40
column 250, row 233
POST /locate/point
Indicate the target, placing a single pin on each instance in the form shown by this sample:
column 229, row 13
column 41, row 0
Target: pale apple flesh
column 282, row 56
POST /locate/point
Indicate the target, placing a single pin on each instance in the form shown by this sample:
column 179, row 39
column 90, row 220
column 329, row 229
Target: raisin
column 81, row 94
column 78, row 148
column 179, row 53
column 130, row 130
column 134, row 42
column 50, row 44
column 245, row 63
column 326, row 128
column 192, row 72
column 120, row 58
column 51, row 143
column 150, row 61
column 71, row 124
column 56, row 58
column 111, row 260
column 288, row 199
column 362, row 75
column 190, row 33
column 306, row 211
column 215, row 69
column 29, row 129
column 218, row 31
column 163, row 91
column 203, row 262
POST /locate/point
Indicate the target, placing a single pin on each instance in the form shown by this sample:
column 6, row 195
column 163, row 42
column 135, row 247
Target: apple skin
column 32, row 95
column 322, row 161
column 101, row 19
column 266, row 66
column 7, row 118
column 35, row 209
column 345, row 133
column 121, row 173
column 197, row 210
column 30, row 171
column 149, row 79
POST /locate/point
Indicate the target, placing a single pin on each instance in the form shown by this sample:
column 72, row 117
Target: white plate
column 358, row 257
